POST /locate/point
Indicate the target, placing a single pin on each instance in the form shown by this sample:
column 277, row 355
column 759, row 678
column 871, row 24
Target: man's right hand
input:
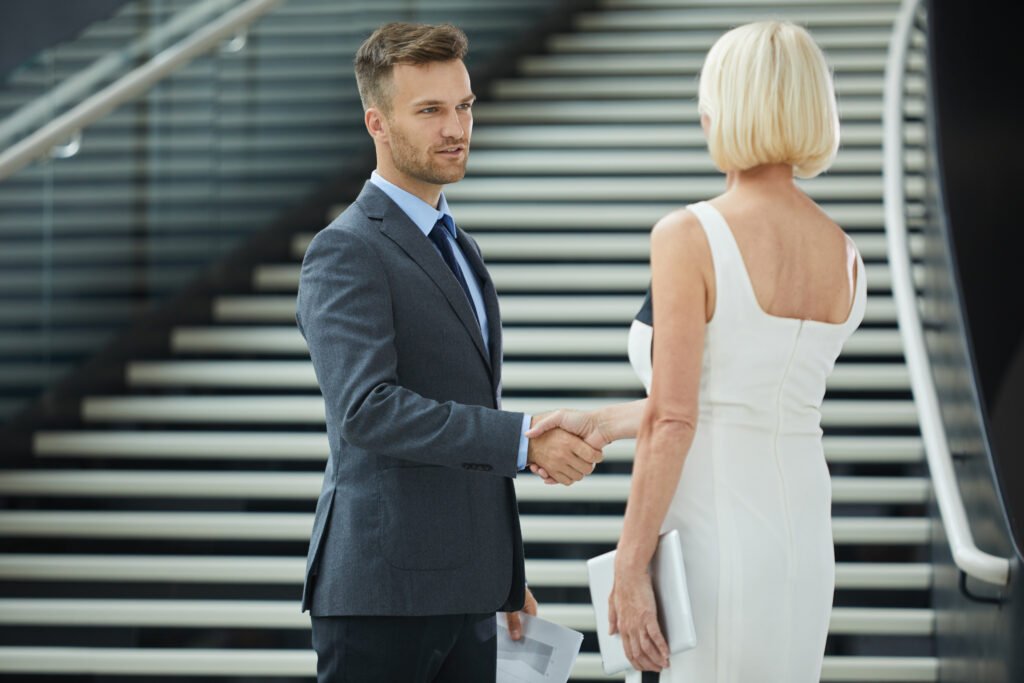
column 565, row 457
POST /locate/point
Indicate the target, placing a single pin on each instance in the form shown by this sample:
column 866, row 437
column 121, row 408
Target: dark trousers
column 459, row 648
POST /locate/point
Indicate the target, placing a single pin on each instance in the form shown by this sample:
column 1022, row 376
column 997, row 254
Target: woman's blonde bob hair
column 768, row 95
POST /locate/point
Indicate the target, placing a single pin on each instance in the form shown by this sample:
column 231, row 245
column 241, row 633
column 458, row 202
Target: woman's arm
column 680, row 265
column 681, row 271
column 621, row 420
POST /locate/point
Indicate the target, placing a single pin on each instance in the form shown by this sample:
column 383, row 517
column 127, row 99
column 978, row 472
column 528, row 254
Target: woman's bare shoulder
column 679, row 239
column 679, row 227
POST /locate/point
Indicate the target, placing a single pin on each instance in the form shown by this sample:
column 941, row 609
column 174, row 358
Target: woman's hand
column 584, row 425
column 633, row 613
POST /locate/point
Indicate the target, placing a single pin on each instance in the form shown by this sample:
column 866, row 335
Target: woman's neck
column 763, row 178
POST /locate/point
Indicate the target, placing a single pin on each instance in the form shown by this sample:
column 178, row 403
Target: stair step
column 639, row 216
column 657, row 87
column 236, row 93
column 268, row 662
column 679, row 64
column 856, row 175
column 680, row 111
column 314, row 9
column 312, row 446
column 291, row 570
column 516, row 341
column 516, row 375
column 659, row 137
column 516, row 309
column 639, row 41
column 497, row 246
column 310, row 409
column 574, row 277
column 722, row 19
column 643, row 189
column 286, row 614
column 306, row 486
column 295, row 526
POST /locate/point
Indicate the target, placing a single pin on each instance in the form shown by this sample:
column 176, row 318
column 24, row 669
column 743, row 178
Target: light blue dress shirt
column 425, row 217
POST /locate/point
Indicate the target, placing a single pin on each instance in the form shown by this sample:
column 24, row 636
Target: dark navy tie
column 439, row 239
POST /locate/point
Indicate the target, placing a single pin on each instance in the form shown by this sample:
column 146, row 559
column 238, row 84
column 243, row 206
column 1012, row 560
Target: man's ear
column 376, row 124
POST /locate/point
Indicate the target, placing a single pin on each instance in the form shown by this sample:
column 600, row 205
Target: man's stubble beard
column 406, row 158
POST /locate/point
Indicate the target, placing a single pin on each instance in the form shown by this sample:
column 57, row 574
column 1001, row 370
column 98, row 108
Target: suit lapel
column 397, row 226
column 475, row 260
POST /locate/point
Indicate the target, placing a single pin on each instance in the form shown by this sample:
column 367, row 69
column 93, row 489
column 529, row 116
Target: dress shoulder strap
column 726, row 260
column 860, row 297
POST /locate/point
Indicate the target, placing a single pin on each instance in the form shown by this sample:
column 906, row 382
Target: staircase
column 166, row 534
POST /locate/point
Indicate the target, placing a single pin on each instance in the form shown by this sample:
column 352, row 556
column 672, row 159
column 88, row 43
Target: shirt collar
column 423, row 215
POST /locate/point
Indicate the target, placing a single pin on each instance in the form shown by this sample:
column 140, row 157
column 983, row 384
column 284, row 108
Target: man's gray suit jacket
column 418, row 513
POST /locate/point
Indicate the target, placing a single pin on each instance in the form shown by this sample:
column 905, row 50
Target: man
column 416, row 540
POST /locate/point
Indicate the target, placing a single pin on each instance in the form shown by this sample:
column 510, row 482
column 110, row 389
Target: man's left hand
column 515, row 625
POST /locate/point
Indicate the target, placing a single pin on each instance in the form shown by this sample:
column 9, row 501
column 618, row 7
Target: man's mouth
column 452, row 151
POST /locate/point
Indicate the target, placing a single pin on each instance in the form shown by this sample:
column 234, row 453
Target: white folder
column 674, row 615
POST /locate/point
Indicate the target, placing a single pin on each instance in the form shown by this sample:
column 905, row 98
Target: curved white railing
column 130, row 85
column 967, row 556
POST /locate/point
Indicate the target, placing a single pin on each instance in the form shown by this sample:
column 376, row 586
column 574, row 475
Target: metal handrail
column 127, row 87
column 968, row 557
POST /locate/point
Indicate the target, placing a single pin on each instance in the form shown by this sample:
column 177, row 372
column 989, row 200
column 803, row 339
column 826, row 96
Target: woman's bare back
column 800, row 263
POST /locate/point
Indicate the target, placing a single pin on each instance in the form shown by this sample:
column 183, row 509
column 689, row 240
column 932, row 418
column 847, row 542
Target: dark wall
column 28, row 26
column 971, row 297
column 977, row 68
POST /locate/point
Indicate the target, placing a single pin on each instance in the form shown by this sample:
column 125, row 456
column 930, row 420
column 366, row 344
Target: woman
column 754, row 294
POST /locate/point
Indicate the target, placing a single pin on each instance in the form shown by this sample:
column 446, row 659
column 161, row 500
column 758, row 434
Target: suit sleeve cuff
column 524, row 443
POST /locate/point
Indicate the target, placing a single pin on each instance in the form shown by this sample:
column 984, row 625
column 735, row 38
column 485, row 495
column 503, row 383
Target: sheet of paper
column 545, row 654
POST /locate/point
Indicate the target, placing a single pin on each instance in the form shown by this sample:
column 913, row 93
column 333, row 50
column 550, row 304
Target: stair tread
column 516, row 309
column 295, row 526
column 281, row 340
column 678, row 110
column 572, row 277
column 290, row 570
column 516, row 375
column 291, row 662
column 639, row 216
column 201, row 445
column 286, row 614
column 497, row 246
column 278, row 409
column 307, row 485
column 630, row 137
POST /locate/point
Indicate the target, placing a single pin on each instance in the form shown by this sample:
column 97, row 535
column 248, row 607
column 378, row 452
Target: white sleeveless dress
column 753, row 503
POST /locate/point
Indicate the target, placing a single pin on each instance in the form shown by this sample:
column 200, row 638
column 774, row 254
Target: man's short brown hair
column 402, row 43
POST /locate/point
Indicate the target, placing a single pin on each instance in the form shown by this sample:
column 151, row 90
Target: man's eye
column 466, row 106
column 428, row 110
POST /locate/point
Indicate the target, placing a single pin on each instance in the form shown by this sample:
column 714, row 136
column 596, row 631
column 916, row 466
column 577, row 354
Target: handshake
column 565, row 446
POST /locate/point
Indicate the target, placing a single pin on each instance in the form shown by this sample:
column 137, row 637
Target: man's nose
column 453, row 127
